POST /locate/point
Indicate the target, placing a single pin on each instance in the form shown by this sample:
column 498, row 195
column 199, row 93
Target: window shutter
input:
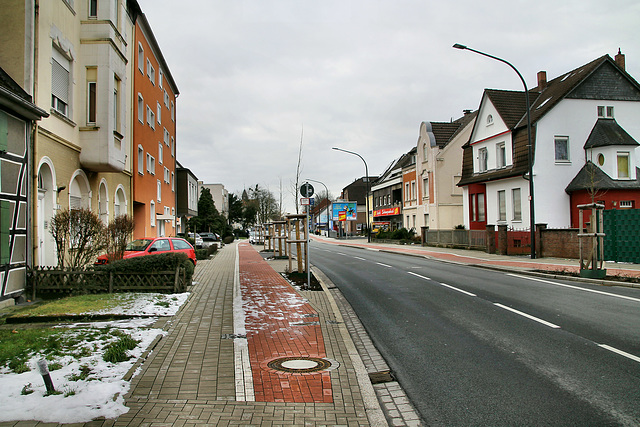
column 60, row 77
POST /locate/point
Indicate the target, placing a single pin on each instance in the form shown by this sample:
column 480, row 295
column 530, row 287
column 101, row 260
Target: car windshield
column 139, row 245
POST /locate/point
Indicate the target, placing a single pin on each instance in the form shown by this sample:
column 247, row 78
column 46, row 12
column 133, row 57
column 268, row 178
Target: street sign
column 306, row 190
column 305, row 201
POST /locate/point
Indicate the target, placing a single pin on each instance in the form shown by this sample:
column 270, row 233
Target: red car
column 155, row 245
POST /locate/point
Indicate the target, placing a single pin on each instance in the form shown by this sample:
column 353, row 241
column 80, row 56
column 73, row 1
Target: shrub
column 152, row 263
column 228, row 240
column 117, row 234
column 202, row 254
column 79, row 236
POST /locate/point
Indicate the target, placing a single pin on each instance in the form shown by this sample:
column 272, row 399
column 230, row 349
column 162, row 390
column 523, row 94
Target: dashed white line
column 528, row 316
column 620, row 352
column 443, row 284
column 384, row 265
column 575, row 287
column 340, row 253
column 361, row 259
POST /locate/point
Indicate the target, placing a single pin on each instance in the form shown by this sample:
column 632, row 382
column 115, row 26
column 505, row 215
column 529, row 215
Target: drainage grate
column 304, row 323
column 381, row 377
column 233, row 336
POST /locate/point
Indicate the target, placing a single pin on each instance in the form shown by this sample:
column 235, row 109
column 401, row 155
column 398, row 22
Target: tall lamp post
column 327, row 191
column 529, row 154
column 366, row 171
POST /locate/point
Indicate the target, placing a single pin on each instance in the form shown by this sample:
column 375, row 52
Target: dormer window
column 623, row 165
column 489, row 120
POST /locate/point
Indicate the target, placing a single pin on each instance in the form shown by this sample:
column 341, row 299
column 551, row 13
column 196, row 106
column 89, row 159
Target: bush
column 202, row 254
column 228, row 240
column 152, row 263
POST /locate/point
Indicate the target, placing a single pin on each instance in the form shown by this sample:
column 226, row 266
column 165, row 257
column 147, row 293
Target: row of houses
column 88, row 111
column 474, row 171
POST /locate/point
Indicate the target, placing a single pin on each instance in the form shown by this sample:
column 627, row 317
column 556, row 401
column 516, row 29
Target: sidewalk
column 285, row 359
column 481, row 258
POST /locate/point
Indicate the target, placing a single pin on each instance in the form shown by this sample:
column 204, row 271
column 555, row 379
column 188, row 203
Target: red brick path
column 279, row 323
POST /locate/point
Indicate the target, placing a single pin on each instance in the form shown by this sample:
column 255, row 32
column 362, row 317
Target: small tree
column 117, row 235
column 79, row 237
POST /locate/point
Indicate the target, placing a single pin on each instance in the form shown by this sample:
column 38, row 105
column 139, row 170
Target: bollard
column 44, row 371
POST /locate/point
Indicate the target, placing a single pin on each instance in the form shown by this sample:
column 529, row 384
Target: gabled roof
column 607, row 132
column 445, row 132
column 13, row 97
column 579, row 83
column 591, row 177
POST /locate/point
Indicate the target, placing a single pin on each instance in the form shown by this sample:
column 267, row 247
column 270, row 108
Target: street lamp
column 327, row 190
column 366, row 171
column 529, row 154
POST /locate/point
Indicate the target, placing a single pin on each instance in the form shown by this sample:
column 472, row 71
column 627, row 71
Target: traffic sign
column 306, row 190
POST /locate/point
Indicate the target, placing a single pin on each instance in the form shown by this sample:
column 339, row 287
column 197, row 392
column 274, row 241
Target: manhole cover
column 302, row 365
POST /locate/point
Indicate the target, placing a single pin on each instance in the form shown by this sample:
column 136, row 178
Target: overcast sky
column 357, row 74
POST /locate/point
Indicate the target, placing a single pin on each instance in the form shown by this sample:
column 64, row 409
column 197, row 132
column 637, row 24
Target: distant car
column 209, row 239
column 197, row 238
column 153, row 246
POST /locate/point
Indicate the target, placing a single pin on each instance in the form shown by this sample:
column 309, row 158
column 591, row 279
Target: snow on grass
column 90, row 387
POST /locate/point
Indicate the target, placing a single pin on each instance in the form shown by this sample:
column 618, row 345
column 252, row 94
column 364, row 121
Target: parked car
column 155, row 245
column 197, row 238
column 210, row 239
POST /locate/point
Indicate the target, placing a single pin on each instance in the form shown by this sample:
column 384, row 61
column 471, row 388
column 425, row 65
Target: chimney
column 466, row 112
column 620, row 59
column 542, row 80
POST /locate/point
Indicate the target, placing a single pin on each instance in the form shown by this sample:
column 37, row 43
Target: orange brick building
column 154, row 137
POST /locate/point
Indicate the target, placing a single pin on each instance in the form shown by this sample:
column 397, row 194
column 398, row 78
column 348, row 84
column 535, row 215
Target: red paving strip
column 279, row 323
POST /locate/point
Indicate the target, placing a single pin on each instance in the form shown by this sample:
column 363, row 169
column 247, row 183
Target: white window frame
column 151, row 118
column 561, row 139
column 160, row 153
column 167, row 175
column 159, row 112
column 516, row 201
column 151, row 164
column 140, row 160
column 502, row 205
column 151, row 72
column 92, row 104
column 140, row 108
column 501, row 155
column 140, row 58
column 483, row 159
column 152, row 210
column 623, row 155
column 61, row 82
column 159, row 190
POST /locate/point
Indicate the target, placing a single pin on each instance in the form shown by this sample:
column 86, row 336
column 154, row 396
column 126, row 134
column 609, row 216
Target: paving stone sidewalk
column 191, row 376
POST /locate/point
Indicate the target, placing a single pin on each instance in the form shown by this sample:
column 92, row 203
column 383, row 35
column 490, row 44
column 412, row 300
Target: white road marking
column 361, row 259
column 575, row 287
column 340, row 253
column 443, row 284
column 528, row 316
column 620, row 352
column 384, row 265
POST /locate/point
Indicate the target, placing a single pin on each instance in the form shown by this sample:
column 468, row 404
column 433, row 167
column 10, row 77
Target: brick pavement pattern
column 188, row 379
column 280, row 323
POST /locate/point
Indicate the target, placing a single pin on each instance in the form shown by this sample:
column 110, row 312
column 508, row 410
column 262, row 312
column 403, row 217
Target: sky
column 258, row 77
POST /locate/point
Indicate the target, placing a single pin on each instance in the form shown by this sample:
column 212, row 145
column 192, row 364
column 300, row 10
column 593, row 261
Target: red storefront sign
column 387, row 211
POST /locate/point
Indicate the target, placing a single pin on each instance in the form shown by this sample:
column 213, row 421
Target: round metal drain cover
column 301, row 365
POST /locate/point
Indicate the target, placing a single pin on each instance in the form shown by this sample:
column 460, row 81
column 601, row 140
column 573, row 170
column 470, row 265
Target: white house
column 564, row 112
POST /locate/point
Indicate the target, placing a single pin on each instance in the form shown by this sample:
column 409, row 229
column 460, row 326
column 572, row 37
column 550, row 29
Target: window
column 5, row 231
column 161, row 245
column 605, row 111
column 160, row 79
column 140, row 58
column 517, row 205
column 180, row 244
column 159, row 190
column 152, row 210
column 407, row 192
column 502, row 206
column 116, row 104
column 173, row 182
column 140, row 108
column 151, row 164
column 173, row 147
column 489, row 120
column 173, row 112
column 166, row 99
column 477, row 207
column 151, row 72
column 425, row 187
column 561, row 149
column 167, row 175
column 159, row 112
column 626, row 204
column 481, row 211
column 140, row 160
column 501, row 155
column 160, row 152
column 151, row 118
column 91, row 102
column 166, row 137
column 623, row 165
column 93, row 8
column 601, row 159
column 483, row 160
column 413, row 190
column 60, row 78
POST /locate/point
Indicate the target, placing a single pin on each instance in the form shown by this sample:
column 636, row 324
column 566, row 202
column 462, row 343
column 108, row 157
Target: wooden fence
column 50, row 279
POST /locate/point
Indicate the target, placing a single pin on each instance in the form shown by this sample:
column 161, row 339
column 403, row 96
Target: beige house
column 438, row 169
column 82, row 77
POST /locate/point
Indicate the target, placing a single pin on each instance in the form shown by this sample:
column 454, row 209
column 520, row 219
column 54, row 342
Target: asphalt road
column 472, row 346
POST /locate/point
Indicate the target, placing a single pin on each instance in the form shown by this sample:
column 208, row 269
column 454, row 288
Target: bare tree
column 117, row 235
column 296, row 184
column 79, row 237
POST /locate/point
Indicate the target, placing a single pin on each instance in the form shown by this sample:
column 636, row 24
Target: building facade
column 154, row 137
